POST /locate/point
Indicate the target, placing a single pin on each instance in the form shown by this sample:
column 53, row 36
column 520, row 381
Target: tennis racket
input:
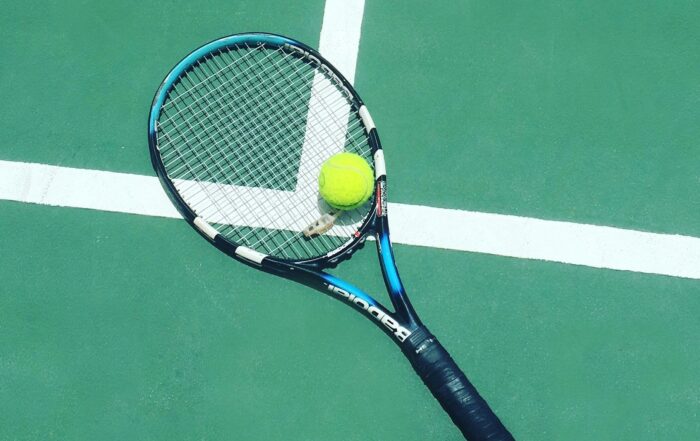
column 238, row 131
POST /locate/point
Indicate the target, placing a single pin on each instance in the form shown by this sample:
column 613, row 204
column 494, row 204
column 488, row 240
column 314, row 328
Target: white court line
column 340, row 34
column 326, row 127
column 512, row 236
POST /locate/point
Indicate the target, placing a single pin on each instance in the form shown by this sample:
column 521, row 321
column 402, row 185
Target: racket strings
column 244, row 164
column 246, row 91
column 327, row 241
column 217, row 203
column 280, row 246
column 227, row 137
column 165, row 156
column 219, row 69
column 242, row 135
column 209, row 194
column 221, row 200
column 242, row 130
column 210, row 104
column 258, row 168
column 190, row 92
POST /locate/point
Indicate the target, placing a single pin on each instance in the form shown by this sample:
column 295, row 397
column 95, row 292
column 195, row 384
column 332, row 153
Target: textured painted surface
column 115, row 326
column 582, row 111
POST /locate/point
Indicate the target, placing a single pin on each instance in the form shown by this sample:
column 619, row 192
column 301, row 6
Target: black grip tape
column 448, row 384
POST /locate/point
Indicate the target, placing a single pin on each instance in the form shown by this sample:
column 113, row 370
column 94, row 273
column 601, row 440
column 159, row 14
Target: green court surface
column 123, row 327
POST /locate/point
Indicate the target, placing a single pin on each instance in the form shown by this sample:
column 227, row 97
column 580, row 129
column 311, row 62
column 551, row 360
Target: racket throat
column 397, row 292
column 379, row 314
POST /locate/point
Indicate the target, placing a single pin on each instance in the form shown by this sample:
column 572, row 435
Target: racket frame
column 458, row 397
column 309, row 272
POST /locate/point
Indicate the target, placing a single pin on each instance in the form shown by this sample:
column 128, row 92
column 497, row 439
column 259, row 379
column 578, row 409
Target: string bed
column 242, row 135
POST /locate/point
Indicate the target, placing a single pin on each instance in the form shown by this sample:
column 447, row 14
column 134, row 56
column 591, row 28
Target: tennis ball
column 346, row 181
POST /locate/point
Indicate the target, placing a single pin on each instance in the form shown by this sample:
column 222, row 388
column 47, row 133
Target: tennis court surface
column 544, row 188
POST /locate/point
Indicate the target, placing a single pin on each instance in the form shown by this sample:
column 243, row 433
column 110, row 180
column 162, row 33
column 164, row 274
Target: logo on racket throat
column 399, row 331
column 381, row 198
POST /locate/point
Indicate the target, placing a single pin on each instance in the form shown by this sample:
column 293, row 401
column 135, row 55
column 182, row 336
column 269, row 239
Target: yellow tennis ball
column 346, row 181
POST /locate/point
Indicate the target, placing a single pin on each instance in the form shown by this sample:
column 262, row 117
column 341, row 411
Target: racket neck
column 397, row 292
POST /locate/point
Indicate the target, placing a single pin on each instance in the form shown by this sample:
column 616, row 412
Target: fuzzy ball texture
column 346, row 181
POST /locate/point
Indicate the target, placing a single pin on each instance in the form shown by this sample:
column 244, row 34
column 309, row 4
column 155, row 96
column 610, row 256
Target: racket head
column 214, row 130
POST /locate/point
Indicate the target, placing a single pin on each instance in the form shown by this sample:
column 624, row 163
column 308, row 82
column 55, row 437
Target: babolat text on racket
column 238, row 132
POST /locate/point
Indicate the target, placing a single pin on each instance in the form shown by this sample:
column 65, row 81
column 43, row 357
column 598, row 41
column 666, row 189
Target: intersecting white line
column 513, row 236
column 339, row 43
column 503, row 235
column 340, row 34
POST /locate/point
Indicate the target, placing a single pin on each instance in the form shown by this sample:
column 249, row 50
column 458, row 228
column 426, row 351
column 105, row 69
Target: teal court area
column 125, row 325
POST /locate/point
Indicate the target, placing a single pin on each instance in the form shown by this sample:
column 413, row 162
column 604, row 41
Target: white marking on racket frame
column 251, row 255
column 366, row 118
column 205, row 228
column 379, row 166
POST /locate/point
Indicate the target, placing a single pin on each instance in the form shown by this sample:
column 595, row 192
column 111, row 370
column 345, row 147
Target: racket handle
column 448, row 384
